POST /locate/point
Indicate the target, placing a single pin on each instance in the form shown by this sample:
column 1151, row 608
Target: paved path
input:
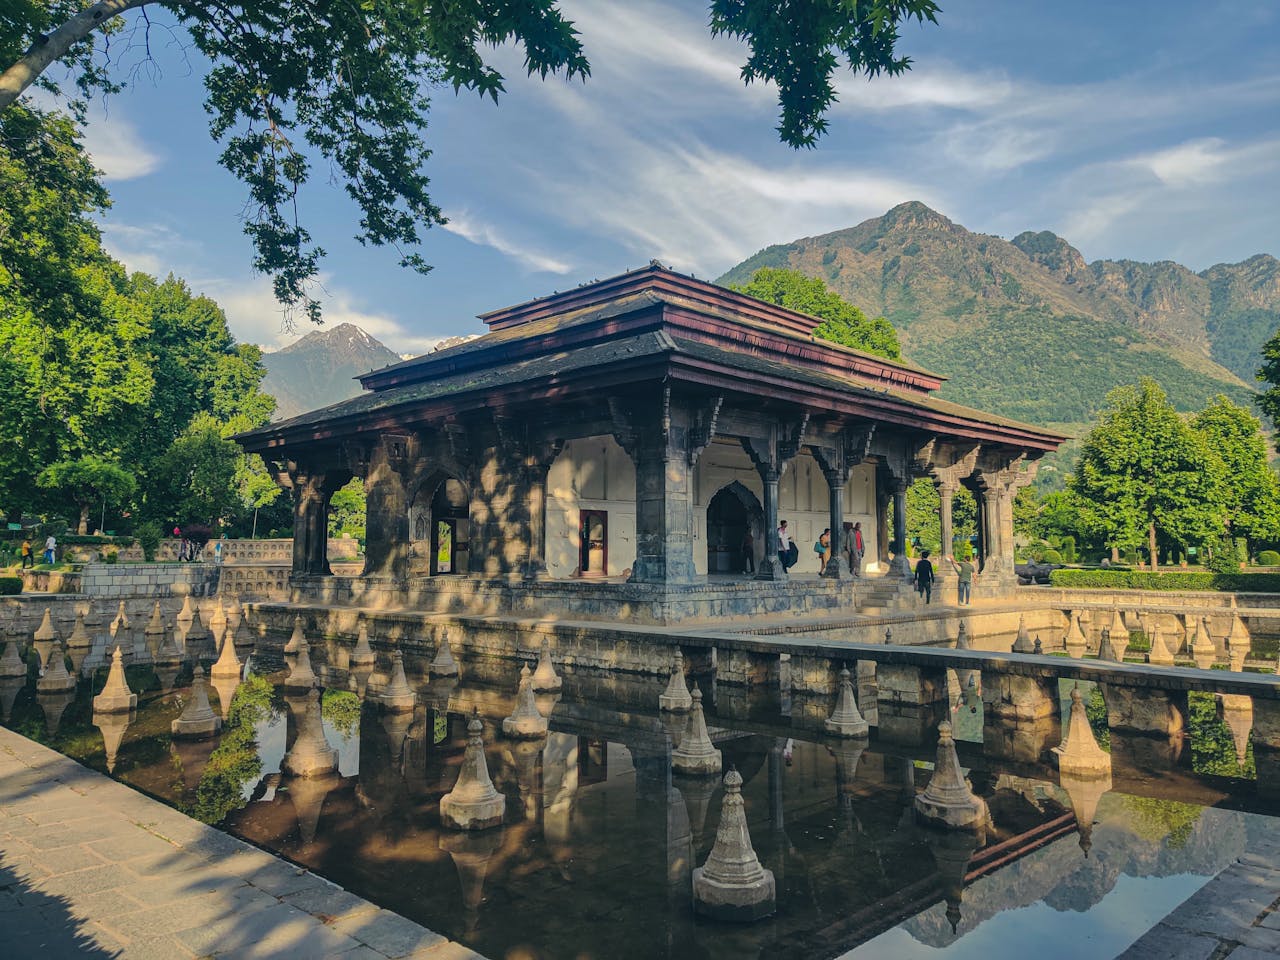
column 1236, row 915
column 91, row 868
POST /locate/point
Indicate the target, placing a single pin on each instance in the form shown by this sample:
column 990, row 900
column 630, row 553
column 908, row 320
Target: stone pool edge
column 90, row 864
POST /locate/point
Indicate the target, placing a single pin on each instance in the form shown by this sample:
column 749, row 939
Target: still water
column 594, row 855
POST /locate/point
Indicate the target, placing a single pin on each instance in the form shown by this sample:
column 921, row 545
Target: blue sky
column 1148, row 129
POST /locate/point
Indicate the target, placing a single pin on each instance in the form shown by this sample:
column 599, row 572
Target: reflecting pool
column 594, row 855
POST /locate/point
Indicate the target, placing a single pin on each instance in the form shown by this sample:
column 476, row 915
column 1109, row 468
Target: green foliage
column 10, row 586
column 1050, row 556
column 924, row 522
column 1095, row 710
column 341, row 710
column 236, row 761
column 1213, row 748
column 1248, row 490
column 196, row 476
column 1224, row 555
column 1171, row 580
column 1143, row 467
column 1269, row 558
column 87, row 481
column 841, row 321
column 149, row 535
column 1158, row 820
column 347, row 511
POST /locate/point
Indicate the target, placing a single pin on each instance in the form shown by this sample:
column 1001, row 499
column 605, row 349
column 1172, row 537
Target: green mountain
column 321, row 368
column 1028, row 329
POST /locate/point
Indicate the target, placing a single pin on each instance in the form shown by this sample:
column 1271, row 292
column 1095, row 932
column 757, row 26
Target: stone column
column 536, row 467
column 311, row 493
column 770, row 567
column 838, row 566
column 664, row 498
column 386, row 552
column 991, row 549
column 900, row 564
column 945, row 492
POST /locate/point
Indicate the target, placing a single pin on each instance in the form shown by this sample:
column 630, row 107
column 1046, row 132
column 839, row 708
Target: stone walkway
column 1236, row 915
column 91, row 868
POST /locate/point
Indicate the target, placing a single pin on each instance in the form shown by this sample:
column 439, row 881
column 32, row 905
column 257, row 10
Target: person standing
column 27, row 559
column 182, row 544
column 967, row 574
column 784, row 545
column 856, row 550
column 50, row 549
column 748, row 552
column 822, row 547
column 924, row 577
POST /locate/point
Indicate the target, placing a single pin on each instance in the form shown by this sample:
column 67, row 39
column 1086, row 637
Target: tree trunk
column 54, row 46
column 1115, row 554
column 1151, row 546
column 84, row 520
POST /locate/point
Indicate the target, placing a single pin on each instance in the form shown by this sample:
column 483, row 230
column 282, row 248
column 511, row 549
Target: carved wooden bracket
column 704, row 428
column 624, row 430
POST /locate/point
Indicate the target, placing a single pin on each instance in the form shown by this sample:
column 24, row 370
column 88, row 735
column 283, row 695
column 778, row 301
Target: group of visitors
column 188, row 549
column 789, row 552
column 50, row 552
column 924, row 576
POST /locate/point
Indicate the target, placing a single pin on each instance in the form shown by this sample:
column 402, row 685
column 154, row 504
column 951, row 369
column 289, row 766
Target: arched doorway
column 440, row 528
column 734, row 515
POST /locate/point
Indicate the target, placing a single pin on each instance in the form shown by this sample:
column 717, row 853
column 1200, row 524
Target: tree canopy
column 295, row 85
column 1248, row 490
column 841, row 322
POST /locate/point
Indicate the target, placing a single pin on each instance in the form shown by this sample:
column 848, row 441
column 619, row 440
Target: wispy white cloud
column 118, row 149
column 473, row 230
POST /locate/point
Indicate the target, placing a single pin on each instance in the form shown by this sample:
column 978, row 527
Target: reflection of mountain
column 1060, row 876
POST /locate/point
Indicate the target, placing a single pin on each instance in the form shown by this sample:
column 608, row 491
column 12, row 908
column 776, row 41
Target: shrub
column 1050, row 556
column 1174, row 580
column 149, row 535
column 1269, row 558
column 10, row 586
column 111, row 556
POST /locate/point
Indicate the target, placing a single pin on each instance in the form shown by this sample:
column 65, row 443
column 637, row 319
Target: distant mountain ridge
column 320, row 368
column 1028, row 328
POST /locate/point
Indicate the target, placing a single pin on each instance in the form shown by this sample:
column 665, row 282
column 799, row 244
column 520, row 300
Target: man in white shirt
column 784, row 545
column 50, row 549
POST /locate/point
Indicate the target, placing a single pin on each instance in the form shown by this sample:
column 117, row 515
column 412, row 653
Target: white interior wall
column 597, row 474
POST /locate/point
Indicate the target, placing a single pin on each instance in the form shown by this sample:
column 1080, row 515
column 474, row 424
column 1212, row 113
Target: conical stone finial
column 845, row 720
column 301, row 676
column 241, row 637
column 732, row 885
column 363, row 653
column 947, row 801
column 397, row 696
column 1075, row 642
column 79, row 636
column 112, row 726
column 196, row 630
column 1237, row 651
column 56, row 678
column 1079, row 754
column 1117, row 623
column 888, row 636
column 676, row 698
column 1237, row 714
column 1203, row 652
column 473, row 803
column 45, row 633
column 11, row 665
column 218, row 619
column 121, row 620
column 525, row 722
column 295, row 638
column 443, row 665
column 1038, row 648
column 545, row 678
column 116, row 697
column 1022, row 643
column 696, row 755
column 198, row 720
column 311, row 755
column 155, row 626
column 962, row 637
column 1159, row 655
column 187, row 613
column 228, row 664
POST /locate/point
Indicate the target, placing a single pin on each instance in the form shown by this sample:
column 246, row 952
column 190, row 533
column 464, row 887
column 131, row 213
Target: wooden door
column 593, row 543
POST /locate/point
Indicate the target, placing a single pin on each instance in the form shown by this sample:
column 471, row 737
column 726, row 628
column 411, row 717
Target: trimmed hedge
column 1174, row 580
column 10, row 586
column 1269, row 558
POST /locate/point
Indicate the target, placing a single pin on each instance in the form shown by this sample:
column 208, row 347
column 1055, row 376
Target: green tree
column 86, row 482
column 195, row 479
column 293, row 82
column 925, row 522
column 347, row 511
column 1143, row 472
column 841, row 321
column 1249, row 495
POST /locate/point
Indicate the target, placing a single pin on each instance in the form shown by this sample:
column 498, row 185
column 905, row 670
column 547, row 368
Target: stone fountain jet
column 198, row 721
column 473, row 803
column 525, row 722
column 310, row 754
column 397, row 696
column 297, row 637
column 1160, row 655
column 11, row 665
column 1084, row 770
column 696, row 755
column 1022, row 642
column 79, row 637
column 56, row 678
column 845, row 720
column 112, row 726
column 1203, row 651
column 363, row 654
column 545, row 678
column 301, row 676
column 948, row 802
column 116, row 697
column 676, row 698
column 732, row 885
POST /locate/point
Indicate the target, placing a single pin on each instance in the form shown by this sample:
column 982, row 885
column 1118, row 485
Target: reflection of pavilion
column 649, row 423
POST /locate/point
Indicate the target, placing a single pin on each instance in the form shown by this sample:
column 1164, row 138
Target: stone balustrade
column 259, row 551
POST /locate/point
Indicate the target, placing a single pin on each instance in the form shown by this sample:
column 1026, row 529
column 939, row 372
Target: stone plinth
column 1079, row 755
column 11, row 665
column 732, row 885
column 696, row 755
column 1022, row 642
column 545, row 679
column 56, row 679
column 948, row 802
column 311, row 755
column 363, row 654
column 198, row 720
column 1015, row 697
column 296, row 638
column 676, row 698
column 1145, row 710
column 79, row 636
column 301, row 675
column 845, row 720
column 473, row 803
column 443, row 664
column 45, row 633
column 1075, row 642
column 397, row 696
column 116, row 697
column 228, row 664
column 1160, row 655
column 525, row 722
